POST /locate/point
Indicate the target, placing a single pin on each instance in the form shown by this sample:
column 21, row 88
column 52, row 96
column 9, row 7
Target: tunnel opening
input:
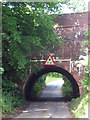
column 47, row 69
column 48, row 86
column 52, row 85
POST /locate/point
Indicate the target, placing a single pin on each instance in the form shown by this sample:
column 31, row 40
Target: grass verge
column 79, row 106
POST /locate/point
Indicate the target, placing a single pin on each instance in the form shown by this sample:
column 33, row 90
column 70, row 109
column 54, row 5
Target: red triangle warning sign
column 49, row 61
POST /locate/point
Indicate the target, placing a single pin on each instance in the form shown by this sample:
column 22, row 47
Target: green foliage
column 1, row 70
column 26, row 33
column 86, row 82
column 52, row 76
column 78, row 5
column 39, row 85
column 79, row 106
column 87, row 32
column 87, row 41
column 11, row 96
column 55, row 74
column 67, row 87
column 10, row 86
column 10, row 100
column 43, row 80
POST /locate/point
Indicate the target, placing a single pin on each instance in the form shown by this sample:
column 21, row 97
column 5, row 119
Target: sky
column 66, row 9
column 81, row 3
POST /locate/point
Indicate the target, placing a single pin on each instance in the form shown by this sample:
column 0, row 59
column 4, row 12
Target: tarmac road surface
column 48, row 109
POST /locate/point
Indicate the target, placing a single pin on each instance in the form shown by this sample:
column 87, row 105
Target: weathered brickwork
column 71, row 28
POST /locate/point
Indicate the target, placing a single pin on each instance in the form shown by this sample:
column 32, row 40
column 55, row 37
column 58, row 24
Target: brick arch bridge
column 34, row 77
column 71, row 28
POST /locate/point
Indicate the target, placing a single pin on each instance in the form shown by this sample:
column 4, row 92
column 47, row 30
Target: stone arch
column 34, row 77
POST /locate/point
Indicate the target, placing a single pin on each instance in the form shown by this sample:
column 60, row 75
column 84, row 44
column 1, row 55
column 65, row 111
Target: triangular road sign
column 49, row 61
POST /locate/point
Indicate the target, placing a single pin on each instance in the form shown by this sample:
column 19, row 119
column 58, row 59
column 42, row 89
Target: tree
column 27, row 33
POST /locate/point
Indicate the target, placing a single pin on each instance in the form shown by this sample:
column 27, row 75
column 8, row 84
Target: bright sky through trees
column 77, row 5
column 73, row 6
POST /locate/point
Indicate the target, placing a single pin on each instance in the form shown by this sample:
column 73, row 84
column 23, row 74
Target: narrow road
column 53, row 89
column 48, row 109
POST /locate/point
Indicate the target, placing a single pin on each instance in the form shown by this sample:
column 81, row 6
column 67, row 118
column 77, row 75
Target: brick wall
column 71, row 28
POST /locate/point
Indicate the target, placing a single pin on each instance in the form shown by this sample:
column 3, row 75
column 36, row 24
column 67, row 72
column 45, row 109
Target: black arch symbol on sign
column 34, row 77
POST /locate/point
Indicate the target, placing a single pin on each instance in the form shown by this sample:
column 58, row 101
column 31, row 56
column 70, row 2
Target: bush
column 79, row 106
column 55, row 74
column 11, row 96
column 39, row 85
column 6, row 103
column 10, row 100
column 86, row 82
column 67, row 87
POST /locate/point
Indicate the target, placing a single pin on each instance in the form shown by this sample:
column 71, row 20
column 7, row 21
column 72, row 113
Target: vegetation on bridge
column 79, row 106
column 27, row 31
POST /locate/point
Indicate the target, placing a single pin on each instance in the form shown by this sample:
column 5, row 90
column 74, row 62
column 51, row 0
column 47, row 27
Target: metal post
column 70, row 66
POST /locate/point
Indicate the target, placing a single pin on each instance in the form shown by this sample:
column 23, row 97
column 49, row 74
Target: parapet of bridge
column 71, row 28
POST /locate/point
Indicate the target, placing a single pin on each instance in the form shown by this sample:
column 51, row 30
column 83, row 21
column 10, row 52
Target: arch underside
column 34, row 77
